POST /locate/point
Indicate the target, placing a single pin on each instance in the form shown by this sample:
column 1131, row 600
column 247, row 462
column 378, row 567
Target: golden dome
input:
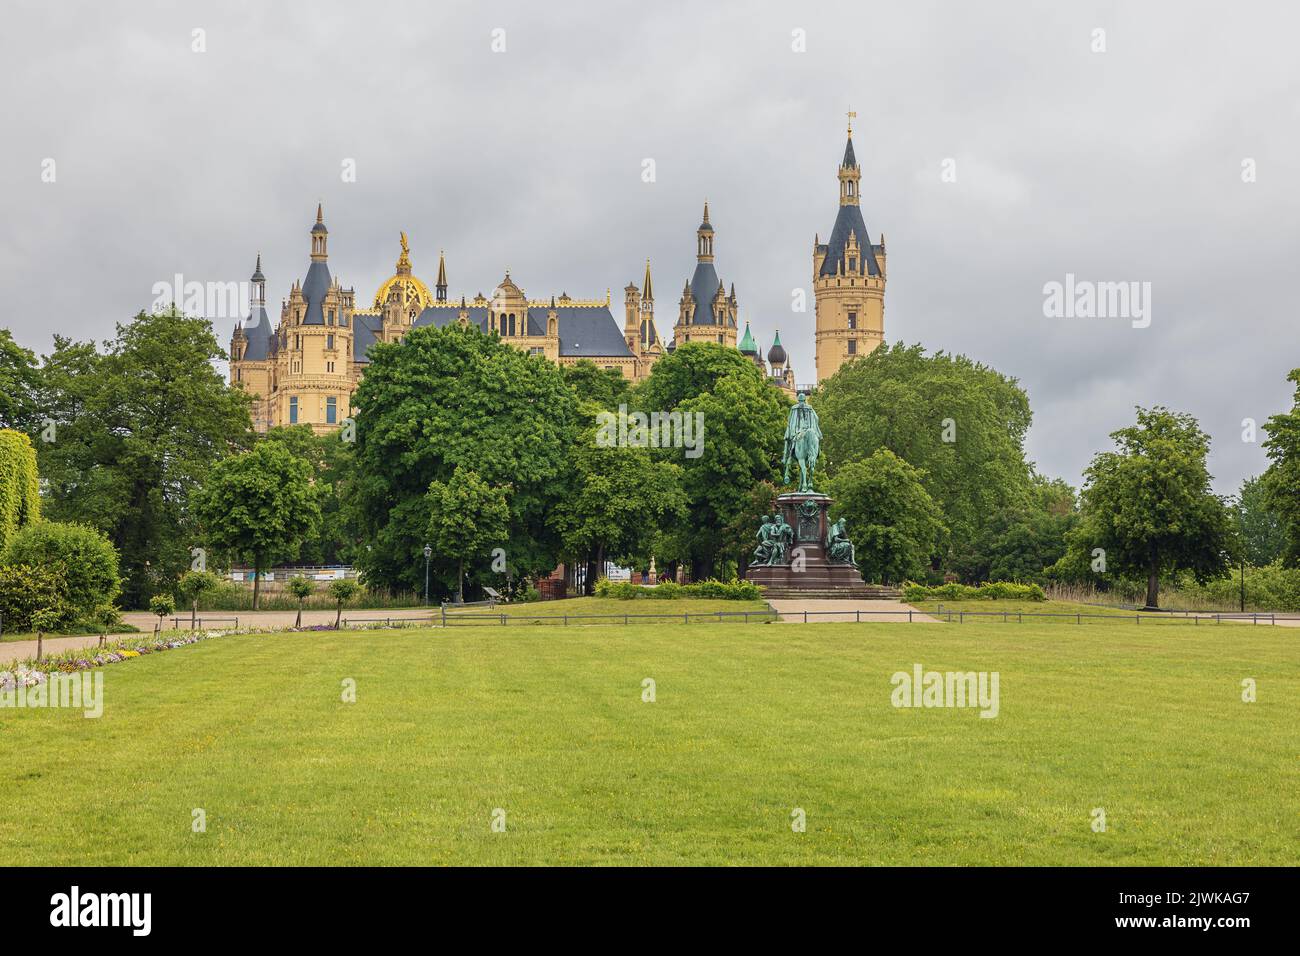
column 416, row 292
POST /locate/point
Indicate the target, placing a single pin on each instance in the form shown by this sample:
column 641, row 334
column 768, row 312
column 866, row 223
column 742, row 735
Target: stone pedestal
column 807, row 571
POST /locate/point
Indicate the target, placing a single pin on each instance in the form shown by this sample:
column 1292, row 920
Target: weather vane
column 852, row 116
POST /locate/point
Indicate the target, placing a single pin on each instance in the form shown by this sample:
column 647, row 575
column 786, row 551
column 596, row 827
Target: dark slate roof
column 704, row 286
column 314, row 288
column 776, row 354
column 585, row 331
column 365, row 330
column 849, row 219
column 849, row 159
column 257, row 331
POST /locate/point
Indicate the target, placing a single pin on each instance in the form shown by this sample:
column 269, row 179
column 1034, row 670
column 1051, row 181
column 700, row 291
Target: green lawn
column 986, row 608
column 750, row 722
column 593, row 610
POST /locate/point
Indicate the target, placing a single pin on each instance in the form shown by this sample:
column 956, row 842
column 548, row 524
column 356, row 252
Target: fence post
column 909, row 615
column 503, row 620
column 444, row 613
column 805, row 617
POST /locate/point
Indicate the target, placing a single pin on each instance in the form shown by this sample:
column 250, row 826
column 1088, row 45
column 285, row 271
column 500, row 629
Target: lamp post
column 428, row 553
column 1241, row 519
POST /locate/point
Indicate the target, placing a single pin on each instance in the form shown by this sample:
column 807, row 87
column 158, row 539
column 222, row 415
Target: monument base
column 808, row 571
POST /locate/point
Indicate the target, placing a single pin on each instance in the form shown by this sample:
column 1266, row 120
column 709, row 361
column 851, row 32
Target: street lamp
column 428, row 553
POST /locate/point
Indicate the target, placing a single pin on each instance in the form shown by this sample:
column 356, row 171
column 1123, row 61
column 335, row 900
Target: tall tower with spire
column 639, row 324
column 706, row 313
column 252, row 350
column 848, row 278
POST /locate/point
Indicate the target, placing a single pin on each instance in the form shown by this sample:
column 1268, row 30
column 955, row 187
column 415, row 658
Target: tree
column 742, row 420
column 136, row 431
column 84, row 559
column 161, row 606
column 1264, row 536
column 960, row 423
column 450, row 398
column 193, row 586
column 621, row 497
column 467, row 518
column 259, row 506
column 1021, row 541
column 892, row 521
column 20, row 490
column 301, row 587
column 18, row 378
column 1281, row 482
column 330, row 458
column 342, row 591
column 1148, row 505
column 606, row 387
column 27, row 590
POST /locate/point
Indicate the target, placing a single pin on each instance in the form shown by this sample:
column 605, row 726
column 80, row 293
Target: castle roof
column 849, row 220
column 585, row 331
column 747, row 343
column 314, row 288
column 257, row 333
column 776, row 354
column 704, row 287
column 850, row 160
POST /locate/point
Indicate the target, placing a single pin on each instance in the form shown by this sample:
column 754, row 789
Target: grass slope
column 750, row 722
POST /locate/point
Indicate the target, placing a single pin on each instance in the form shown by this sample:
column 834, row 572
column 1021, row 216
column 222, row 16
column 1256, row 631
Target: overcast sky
column 1122, row 165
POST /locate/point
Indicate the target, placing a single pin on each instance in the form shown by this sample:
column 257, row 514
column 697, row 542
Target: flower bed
column 30, row 672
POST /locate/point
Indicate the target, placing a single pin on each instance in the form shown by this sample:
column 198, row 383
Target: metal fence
column 178, row 621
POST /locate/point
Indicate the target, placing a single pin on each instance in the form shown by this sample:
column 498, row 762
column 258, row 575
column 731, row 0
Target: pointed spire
column 747, row 343
column 320, row 212
column 706, row 212
column 257, row 270
column 442, row 268
column 647, row 293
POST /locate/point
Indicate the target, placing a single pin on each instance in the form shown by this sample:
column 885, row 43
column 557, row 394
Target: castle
column 303, row 371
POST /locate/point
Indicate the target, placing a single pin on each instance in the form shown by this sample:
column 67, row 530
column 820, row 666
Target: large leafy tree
column 743, row 420
column 138, row 427
column 18, row 385
column 1281, row 482
column 454, row 397
column 468, row 518
column 330, row 457
column 1149, row 507
column 960, row 423
column 621, row 498
column 260, row 507
column 1021, row 541
column 894, row 524
column 1263, row 534
column 605, row 386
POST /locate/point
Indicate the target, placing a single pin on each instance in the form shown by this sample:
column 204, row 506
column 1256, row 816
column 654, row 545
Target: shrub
column 992, row 591
column 670, row 591
column 84, row 558
column 530, row 595
column 26, row 592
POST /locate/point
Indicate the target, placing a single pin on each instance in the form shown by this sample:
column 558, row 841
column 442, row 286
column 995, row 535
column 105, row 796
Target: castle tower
column 706, row 313
column 779, row 362
column 252, row 350
column 848, row 278
column 312, row 382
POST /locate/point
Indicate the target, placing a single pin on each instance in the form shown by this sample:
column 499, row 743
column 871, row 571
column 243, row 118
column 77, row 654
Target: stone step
column 865, row 592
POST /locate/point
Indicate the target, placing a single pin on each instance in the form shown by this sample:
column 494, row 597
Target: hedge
column 669, row 590
column 992, row 591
